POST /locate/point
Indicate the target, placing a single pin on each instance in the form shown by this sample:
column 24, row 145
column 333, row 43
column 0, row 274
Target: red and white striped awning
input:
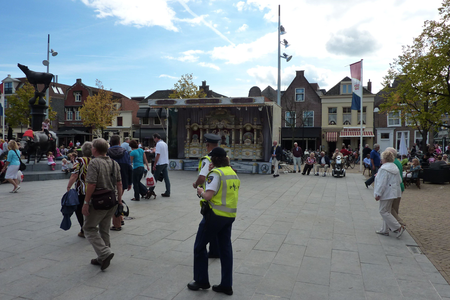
column 332, row 136
column 355, row 132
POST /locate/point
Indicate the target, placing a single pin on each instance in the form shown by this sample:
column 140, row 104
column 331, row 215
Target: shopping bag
column 150, row 180
column 20, row 176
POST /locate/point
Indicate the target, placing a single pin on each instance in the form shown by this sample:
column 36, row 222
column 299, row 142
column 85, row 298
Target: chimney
column 56, row 78
column 79, row 80
column 301, row 73
column 369, row 86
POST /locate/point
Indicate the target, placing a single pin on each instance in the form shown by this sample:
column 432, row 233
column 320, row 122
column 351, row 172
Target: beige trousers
column 96, row 230
column 394, row 210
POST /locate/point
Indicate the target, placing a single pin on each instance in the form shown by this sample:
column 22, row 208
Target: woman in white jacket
column 387, row 189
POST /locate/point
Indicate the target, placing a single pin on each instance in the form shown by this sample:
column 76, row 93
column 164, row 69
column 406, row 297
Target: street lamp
column 285, row 43
column 47, row 64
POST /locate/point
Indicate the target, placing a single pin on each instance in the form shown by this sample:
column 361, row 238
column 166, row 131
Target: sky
column 136, row 47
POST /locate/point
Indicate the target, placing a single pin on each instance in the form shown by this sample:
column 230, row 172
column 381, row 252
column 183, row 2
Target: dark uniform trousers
column 211, row 228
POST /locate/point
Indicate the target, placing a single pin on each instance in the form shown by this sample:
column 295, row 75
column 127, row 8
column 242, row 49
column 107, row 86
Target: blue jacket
column 69, row 203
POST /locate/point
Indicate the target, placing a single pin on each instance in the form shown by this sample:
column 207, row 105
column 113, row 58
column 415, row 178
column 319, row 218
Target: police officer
column 219, row 206
column 211, row 141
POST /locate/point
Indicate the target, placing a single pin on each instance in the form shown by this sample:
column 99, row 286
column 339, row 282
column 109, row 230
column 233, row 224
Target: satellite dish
column 45, row 62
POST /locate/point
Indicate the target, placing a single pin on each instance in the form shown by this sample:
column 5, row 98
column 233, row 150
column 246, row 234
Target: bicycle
column 349, row 162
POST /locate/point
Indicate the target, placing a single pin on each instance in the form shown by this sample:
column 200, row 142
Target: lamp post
column 47, row 64
column 285, row 56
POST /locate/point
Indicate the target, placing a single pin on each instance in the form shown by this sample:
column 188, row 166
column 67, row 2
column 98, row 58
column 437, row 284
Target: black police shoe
column 222, row 289
column 195, row 286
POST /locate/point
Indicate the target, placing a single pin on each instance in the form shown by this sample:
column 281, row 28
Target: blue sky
column 138, row 46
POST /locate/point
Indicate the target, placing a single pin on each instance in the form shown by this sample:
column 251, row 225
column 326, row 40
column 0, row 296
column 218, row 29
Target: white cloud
column 245, row 52
column 218, row 11
column 187, row 56
column 242, row 28
column 139, row 13
column 240, row 5
column 209, row 65
column 167, row 76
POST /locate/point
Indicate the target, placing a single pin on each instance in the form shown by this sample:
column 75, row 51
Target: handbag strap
column 112, row 173
column 17, row 156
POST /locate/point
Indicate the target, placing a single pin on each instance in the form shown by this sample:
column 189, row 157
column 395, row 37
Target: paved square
column 295, row 237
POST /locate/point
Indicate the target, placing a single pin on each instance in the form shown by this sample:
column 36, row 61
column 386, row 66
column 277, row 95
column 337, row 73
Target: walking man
column 375, row 162
column 298, row 154
column 276, row 157
column 161, row 162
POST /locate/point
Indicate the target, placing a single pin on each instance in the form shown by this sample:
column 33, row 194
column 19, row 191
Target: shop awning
column 142, row 112
column 147, row 133
column 332, row 136
column 355, row 132
column 155, row 112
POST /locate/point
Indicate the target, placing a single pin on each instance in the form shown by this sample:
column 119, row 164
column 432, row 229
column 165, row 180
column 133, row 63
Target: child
column 65, row 166
column 51, row 162
column 45, row 127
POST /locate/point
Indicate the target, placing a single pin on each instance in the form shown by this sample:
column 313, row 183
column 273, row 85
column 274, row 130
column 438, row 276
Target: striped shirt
column 80, row 167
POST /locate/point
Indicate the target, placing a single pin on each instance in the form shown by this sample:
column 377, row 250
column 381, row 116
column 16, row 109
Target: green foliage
column 99, row 110
column 185, row 88
column 18, row 111
column 421, row 89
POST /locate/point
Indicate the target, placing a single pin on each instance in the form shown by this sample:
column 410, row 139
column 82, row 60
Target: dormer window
column 346, row 88
column 8, row 87
column 77, row 96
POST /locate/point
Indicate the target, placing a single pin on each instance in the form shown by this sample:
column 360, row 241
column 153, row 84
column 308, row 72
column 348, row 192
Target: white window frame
column 346, row 88
column 398, row 137
column 298, row 93
column 77, row 115
column 69, row 115
column 308, row 111
column 390, row 118
column 344, row 114
column 292, row 114
column 157, row 121
column 332, row 114
column 77, row 96
column 417, row 133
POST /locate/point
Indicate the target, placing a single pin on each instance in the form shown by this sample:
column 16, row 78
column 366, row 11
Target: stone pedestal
column 37, row 116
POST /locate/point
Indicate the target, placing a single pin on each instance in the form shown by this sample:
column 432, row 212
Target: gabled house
column 301, row 114
column 389, row 126
column 340, row 124
column 75, row 96
column 56, row 93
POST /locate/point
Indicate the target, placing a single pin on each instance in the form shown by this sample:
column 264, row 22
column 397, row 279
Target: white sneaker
column 382, row 232
column 400, row 231
column 16, row 189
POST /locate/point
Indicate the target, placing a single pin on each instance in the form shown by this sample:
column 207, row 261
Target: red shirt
column 345, row 152
column 29, row 133
column 70, row 144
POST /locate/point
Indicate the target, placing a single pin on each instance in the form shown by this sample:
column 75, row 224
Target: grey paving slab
column 313, row 240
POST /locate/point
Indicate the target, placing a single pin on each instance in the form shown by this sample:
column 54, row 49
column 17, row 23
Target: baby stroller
column 338, row 170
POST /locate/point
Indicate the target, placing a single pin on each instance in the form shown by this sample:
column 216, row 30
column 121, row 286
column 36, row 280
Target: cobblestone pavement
column 426, row 213
column 295, row 237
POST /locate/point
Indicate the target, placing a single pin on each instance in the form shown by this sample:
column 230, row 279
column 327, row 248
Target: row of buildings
column 313, row 117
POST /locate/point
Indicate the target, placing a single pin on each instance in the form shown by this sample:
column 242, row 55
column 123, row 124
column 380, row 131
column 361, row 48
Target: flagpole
column 3, row 112
column 361, row 121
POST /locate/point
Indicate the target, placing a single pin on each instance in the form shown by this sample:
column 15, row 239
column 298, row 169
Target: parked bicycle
column 349, row 162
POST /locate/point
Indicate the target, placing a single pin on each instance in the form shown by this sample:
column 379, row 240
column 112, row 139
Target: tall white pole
column 4, row 111
column 361, row 121
column 279, row 61
column 47, row 93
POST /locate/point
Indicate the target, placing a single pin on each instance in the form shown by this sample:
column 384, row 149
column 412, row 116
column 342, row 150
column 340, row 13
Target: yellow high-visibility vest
column 224, row 202
column 202, row 185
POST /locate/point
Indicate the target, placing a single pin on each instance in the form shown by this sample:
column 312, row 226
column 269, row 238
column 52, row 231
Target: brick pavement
column 295, row 237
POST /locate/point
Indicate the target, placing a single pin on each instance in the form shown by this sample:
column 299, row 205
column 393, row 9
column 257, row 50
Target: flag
column 2, row 102
column 357, row 87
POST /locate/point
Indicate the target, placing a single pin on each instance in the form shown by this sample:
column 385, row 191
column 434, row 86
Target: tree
column 185, row 88
column 99, row 110
column 18, row 112
column 421, row 74
column 295, row 115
